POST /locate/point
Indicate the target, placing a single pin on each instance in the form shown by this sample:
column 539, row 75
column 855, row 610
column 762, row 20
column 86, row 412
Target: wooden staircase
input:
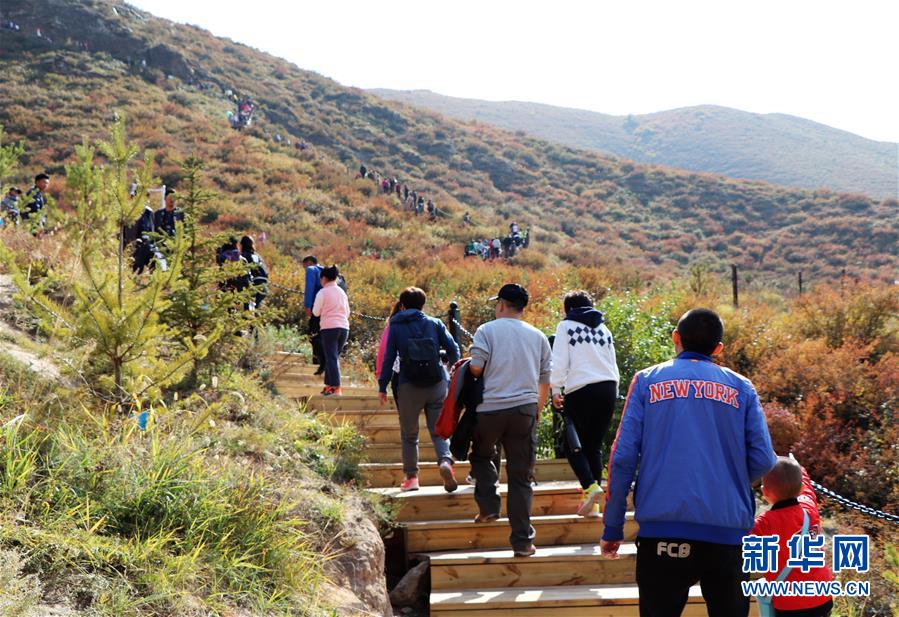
column 473, row 571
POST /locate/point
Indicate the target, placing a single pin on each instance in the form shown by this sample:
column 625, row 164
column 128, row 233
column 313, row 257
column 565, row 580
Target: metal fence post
column 455, row 317
column 735, row 284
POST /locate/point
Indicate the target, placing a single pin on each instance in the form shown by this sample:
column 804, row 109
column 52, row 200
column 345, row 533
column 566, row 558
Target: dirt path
column 12, row 336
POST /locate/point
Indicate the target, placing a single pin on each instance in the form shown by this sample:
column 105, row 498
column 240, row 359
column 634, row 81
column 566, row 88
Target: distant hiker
column 257, row 273
column 405, row 192
column 167, row 216
column 230, row 253
column 495, row 248
column 432, row 209
column 688, row 418
column 35, row 201
column 142, row 234
column 333, row 308
column 9, row 207
column 585, row 385
column 382, row 347
column 513, row 230
column 466, row 219
column 416, row 339
column 515, row 362
column 399, row 191
column 421, row 205
column 311, row 288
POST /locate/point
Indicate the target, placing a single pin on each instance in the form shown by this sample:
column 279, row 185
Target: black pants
column 591, row 409
column 315, row 339
column 817, row 611
column 668, row 567
column 333, row 340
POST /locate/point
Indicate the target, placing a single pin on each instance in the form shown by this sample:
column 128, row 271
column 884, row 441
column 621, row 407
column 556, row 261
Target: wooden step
column 429, row 536
column 348, row 401
column 392, row 452
column 432, row 503
column 313, row 390
column 391, row 474
column 566, row 601
column 363, row 418
column 550, row 566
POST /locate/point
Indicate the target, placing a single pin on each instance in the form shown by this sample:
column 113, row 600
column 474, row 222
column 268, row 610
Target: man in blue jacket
column 312, row 286
column 698, row 433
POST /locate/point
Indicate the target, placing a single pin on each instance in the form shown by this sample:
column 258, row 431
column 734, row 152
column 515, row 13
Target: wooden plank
column 313, row 390
column 392, row 452
column 332, row 403
column 572, row 600
column 433, row 503
column 368, row 418
column 391, row 474
column 428, row 536
column 549, row 567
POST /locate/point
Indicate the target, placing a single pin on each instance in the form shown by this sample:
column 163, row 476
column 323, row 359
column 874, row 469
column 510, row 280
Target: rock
column 356, row 573
column 412, row 587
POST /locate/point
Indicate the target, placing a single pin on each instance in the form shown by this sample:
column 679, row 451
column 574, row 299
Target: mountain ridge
column 172, row 81
column 788, row 150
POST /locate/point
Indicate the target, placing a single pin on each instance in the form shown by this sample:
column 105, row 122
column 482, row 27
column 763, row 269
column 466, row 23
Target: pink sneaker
column 409, row 484
column 449, row 477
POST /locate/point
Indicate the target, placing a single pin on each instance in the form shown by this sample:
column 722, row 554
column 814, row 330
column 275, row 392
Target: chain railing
column 854, row 505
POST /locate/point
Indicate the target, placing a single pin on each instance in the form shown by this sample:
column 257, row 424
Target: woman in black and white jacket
column 585, row 383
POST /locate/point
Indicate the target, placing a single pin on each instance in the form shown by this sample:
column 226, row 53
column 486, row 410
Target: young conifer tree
column 201, row 308
column 112, row 315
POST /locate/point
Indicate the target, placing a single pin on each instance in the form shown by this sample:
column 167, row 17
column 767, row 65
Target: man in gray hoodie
column 515, row 361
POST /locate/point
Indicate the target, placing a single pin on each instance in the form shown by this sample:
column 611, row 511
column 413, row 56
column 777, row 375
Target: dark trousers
column 666, row 572
column 315, row 339
column 333, row 340
column 818, row 611
column 590, row 409
column 516, row 430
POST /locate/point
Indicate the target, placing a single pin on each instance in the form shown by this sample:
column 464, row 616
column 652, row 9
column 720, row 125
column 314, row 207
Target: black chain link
column 462, row 328
column 848, row 503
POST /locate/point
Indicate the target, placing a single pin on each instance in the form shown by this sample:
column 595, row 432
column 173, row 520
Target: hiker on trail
column 9, row 207
column 466, row 219
column 432, row 209
column 416, row 339
column 515, row 362
column 405, row 192
column 698, row 434
column 311, row 288
column 230, row 252
column 399, row 190
column 495, row 248
column 363, row 171
column 35, row 201
column 794, row 510
column 513, row 230
column 421, row 205
column 585, row 385
column 167, row 216
column 333, row 308
column 382, row 348
column 142, row 234
column 257, row 273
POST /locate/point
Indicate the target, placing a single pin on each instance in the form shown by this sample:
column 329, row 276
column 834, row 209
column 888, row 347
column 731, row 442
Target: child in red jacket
column 788, row 488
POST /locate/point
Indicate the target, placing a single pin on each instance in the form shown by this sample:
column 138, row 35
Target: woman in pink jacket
column 333, row 308
column 382, row 347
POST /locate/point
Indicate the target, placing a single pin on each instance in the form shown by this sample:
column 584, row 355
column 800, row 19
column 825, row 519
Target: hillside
column 776, row 148
column 96, row 57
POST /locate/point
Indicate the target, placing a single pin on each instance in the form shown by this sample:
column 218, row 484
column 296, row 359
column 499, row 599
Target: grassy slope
column 640, row 216
column 777, row 148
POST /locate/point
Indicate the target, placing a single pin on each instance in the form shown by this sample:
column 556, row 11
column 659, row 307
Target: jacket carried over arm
column 700, row 438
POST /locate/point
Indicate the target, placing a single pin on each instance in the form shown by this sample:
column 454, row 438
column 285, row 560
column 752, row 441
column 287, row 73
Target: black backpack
column 421, row 364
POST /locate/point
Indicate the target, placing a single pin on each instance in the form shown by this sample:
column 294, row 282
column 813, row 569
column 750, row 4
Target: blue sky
column 832, row 62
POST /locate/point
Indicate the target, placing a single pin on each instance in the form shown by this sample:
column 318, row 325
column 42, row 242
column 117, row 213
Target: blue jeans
column 333, row 340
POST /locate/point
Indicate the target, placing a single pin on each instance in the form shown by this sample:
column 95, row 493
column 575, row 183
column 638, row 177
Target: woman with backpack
column 584, row 383
column 416, row 340
column 257, row 274
column 333, row 308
